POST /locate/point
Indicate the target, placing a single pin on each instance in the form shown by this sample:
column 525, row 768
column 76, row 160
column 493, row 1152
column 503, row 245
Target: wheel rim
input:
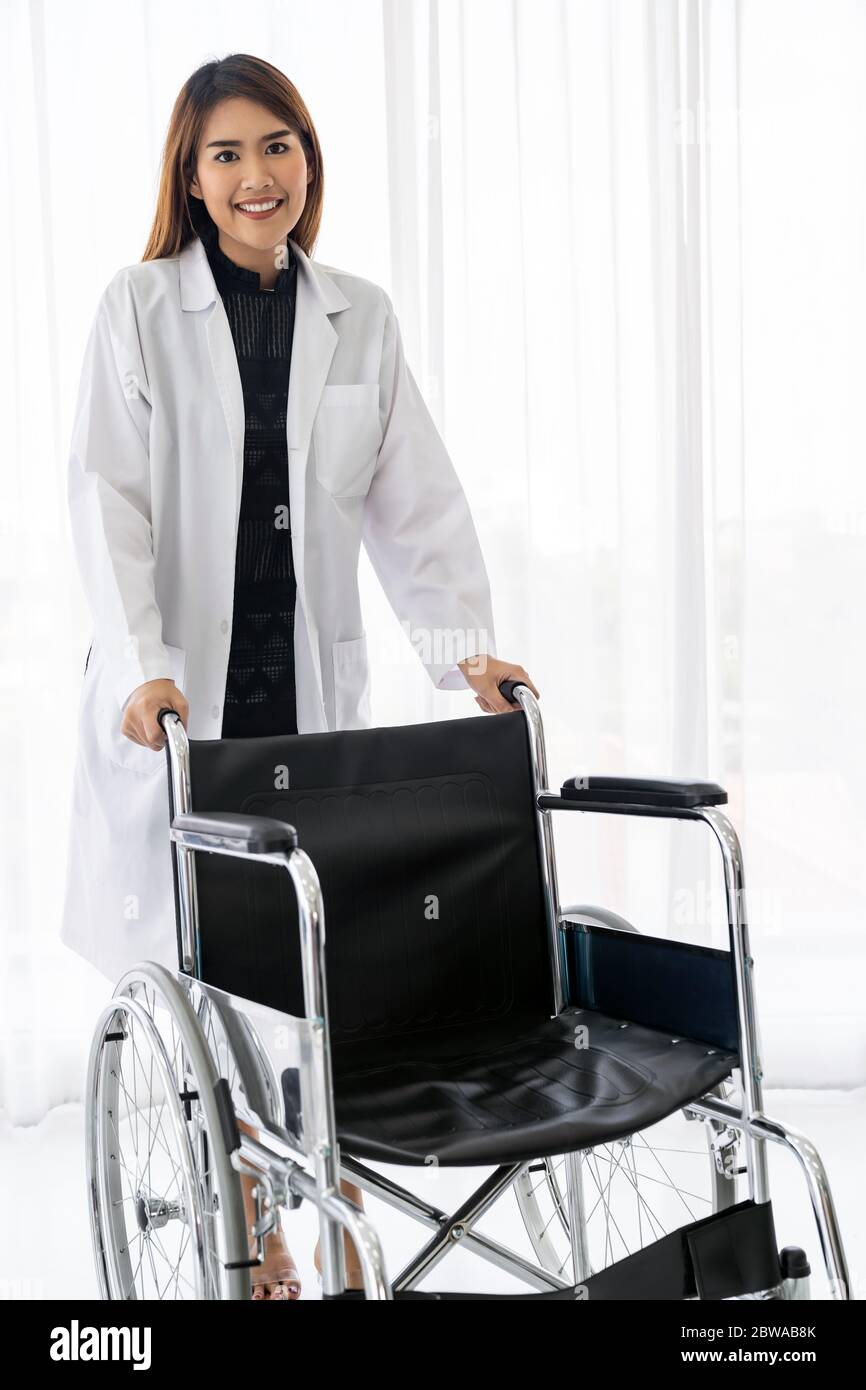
column 165, row 1202
column 635, row 1191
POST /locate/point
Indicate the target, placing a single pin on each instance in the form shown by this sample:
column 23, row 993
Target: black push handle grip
column 507, row 689
column 166, row 709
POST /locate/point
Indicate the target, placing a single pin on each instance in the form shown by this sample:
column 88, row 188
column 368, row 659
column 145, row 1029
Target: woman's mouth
column 258, row 209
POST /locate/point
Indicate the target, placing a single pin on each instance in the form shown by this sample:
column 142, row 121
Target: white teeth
column 259, row 207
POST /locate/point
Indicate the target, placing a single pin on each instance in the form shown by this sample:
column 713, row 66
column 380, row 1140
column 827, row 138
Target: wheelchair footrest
column 723, row 1256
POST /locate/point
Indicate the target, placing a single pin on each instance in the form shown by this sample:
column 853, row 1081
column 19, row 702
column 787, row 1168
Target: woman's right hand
column 139, row 720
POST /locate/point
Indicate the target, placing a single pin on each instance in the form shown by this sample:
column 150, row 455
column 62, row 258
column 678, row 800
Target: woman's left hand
column 485, row 674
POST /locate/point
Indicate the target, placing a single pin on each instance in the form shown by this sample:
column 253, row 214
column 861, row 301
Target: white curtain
column 625, row 242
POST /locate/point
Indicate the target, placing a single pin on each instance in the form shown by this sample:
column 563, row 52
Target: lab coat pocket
column 352, row 684
column 346, row 438
column 122, row 751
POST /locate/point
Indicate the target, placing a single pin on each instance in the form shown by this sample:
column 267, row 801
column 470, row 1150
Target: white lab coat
column 154, row 486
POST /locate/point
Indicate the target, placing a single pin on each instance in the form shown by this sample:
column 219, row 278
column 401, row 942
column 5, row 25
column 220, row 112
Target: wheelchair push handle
column 507, row 689
column 166, row 709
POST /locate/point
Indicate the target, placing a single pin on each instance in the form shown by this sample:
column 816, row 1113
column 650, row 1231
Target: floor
column 42, row 1170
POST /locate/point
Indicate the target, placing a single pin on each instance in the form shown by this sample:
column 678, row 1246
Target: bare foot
column 354, row 1279
column 277, row 1276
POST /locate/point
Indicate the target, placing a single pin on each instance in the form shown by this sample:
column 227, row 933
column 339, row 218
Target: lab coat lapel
column 313, row 346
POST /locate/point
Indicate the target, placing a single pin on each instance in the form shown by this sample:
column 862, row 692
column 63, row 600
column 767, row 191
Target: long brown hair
column 179, row 216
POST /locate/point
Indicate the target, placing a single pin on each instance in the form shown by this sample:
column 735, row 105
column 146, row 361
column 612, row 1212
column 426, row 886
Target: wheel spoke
column 642, row 1187
column 648, row 1149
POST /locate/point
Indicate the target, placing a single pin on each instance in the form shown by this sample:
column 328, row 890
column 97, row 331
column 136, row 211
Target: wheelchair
column 457, row 1016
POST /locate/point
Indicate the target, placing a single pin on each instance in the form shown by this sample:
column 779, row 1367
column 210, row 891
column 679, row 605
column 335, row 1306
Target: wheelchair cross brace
column 731, row 1254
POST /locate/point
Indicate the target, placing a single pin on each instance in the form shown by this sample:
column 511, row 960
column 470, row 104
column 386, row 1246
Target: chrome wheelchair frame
column 261, row 1042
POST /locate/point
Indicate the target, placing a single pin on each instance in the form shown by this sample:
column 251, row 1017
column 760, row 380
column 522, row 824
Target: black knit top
column 260, row 683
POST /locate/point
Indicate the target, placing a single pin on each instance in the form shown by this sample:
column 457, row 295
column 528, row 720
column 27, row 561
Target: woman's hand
column 139, row 720
column 485, row 673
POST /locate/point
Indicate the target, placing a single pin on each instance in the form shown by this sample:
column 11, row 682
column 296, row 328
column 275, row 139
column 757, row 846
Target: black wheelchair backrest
column 424, row 838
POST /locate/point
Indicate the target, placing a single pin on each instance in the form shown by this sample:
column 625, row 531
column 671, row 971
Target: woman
column 245, row 419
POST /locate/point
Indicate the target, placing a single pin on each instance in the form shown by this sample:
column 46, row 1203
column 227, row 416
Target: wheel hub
column 152, row 1213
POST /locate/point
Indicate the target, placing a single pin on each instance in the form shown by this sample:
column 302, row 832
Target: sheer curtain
column 625, row 242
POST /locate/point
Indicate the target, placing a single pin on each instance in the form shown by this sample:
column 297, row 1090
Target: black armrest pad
column 643, row 791
column 257, row 834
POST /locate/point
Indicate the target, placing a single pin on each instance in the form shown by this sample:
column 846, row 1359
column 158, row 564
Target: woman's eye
column 279, row 145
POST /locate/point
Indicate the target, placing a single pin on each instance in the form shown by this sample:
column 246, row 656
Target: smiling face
column 252, row 175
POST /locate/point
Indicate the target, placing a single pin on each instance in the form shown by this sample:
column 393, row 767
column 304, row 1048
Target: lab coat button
column 215, row 711
column 224, row 626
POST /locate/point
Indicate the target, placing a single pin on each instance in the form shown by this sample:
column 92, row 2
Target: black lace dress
column 260, row 683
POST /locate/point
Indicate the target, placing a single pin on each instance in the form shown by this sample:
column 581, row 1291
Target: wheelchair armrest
column 223, row 830
column 643, row 791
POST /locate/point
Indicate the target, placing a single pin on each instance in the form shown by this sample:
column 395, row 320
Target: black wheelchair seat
column 484, row 1096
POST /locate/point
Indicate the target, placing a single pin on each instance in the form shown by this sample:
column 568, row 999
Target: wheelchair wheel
column 166, row 1208
column 634, row 1191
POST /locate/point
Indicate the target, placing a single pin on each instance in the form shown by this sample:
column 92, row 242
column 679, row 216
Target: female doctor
column 245, row 419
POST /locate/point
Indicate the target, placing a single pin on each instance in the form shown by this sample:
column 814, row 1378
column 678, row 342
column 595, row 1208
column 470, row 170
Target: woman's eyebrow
column 273, row 136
